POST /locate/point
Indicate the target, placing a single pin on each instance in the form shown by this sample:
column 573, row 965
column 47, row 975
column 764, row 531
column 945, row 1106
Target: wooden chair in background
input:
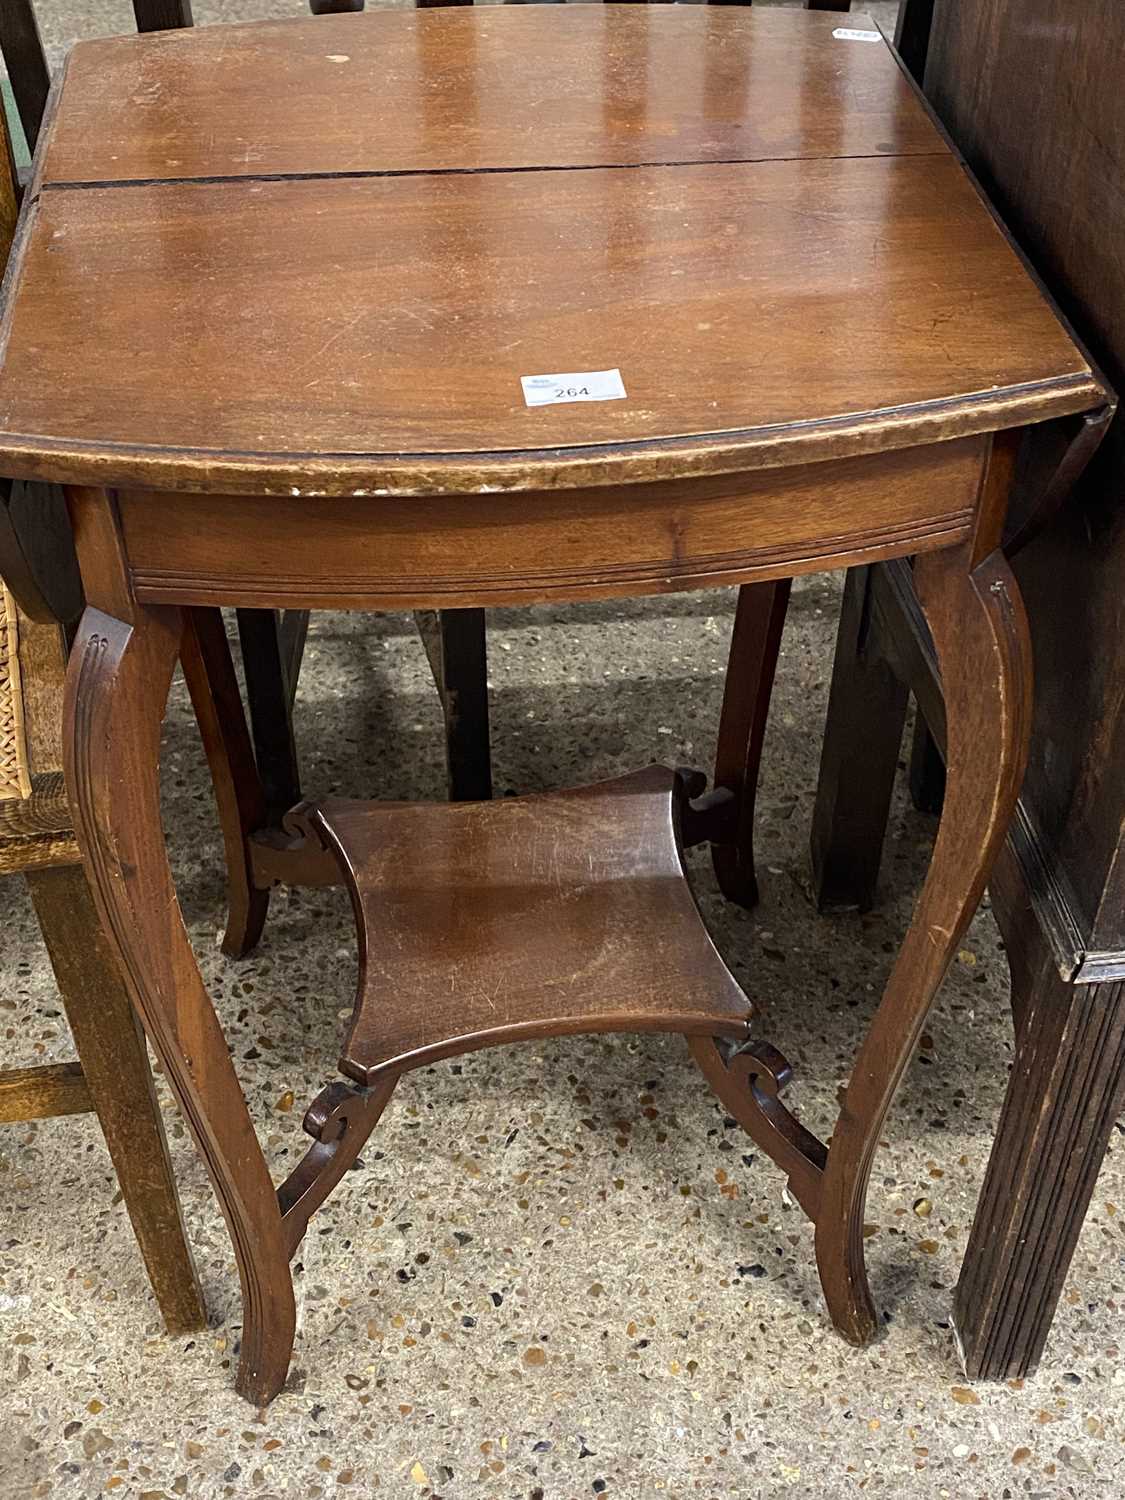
column 111, row 1075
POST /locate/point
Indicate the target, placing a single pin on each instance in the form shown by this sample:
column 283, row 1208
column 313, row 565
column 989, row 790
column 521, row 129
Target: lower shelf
column 483, row 923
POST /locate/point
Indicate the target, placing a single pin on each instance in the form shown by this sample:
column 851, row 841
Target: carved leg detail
column 980, row 633
column 209, row 673
column 755, row 643
column 340, row 1120
column 117, row 685
column 748, row 1080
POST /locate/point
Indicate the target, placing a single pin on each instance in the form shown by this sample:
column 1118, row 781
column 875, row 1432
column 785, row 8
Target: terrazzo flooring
column 560, row 1272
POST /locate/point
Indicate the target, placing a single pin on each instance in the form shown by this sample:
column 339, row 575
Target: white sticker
column 586, row 385
column 850, row 34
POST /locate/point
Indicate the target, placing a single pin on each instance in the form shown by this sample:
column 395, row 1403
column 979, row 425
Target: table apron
column 372, row 551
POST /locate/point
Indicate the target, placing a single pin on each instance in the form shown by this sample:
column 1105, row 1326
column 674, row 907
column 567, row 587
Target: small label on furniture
column 586, row 385
column 850, row 34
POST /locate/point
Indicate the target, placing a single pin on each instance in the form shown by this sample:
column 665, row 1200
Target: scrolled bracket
column 748, row 1078
column 294, row 854
column 340, row 1119
column 704, row 816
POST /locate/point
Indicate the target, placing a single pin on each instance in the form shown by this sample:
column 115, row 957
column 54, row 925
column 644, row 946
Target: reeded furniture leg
column 209, row 673
column 1065, row 1093
column 980, row 633
column 862, row 737
column 117, row 686
column 754, row 646
column 115, row 1066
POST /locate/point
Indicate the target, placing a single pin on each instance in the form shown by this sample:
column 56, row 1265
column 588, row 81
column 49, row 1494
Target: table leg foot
column 117, row 687
column 755, row 643
column 979, row 629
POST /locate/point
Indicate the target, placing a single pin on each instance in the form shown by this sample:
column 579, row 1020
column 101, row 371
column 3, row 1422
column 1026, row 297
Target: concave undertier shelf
column 489, row 922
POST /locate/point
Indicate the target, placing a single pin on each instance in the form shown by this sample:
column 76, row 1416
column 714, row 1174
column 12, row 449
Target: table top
column 318, row 256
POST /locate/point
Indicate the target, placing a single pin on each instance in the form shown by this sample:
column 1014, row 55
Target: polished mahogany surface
column 464, row 911
column 465, row 89
column 796, row 282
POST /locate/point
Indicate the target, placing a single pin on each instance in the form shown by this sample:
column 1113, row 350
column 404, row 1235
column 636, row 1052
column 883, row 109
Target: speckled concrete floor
column 560, row 1273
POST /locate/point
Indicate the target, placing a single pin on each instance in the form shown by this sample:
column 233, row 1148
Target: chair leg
column 161, row 15
column 117, row 687
column 269, row 695
column 114, row 1062
column 979, row 628
column 26, row 65
column 752, row 663
column 209, row 673
column 863, row 734
column 456, row 647
column 927, row 770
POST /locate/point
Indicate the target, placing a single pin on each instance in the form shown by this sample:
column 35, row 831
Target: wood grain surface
column 427, row 552
column 328, row 335
column 490, row 922
column 471, row 89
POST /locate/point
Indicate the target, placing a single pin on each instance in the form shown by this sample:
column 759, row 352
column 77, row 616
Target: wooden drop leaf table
column 275, row 294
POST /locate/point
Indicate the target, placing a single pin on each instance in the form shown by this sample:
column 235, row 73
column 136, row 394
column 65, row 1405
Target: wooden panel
column 1032, row 93
column 429, row 552
column 341, row 335
column 471, row 88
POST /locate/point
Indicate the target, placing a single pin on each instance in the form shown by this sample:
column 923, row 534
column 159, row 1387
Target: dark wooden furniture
column 112, row 1073
column 1005, row 77
column 774, row 422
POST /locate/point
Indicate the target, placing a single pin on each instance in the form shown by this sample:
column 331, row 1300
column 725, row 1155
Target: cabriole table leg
column 117, row 687
column 980, row 632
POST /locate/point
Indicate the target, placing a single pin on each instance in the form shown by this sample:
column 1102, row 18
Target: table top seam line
column 86, row 184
